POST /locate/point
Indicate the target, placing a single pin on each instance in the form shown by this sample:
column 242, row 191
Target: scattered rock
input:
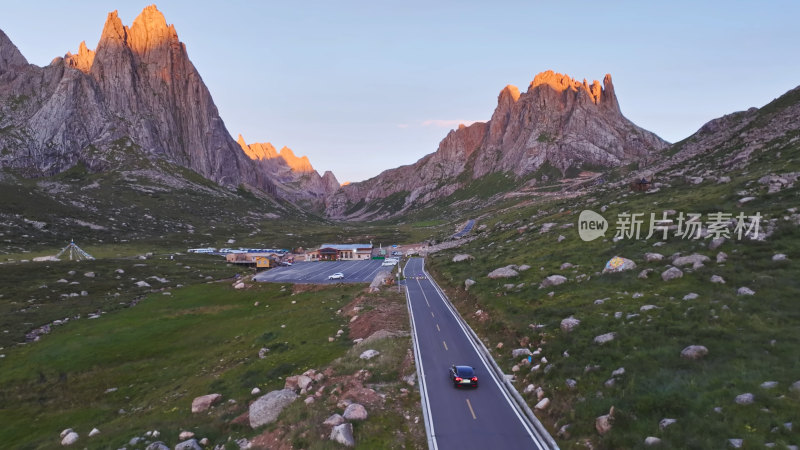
column 650, row 257
column 671, row 274
column 355, row 411
column 89, row 274
column 691, row 296
column 745, row 399
column 717, row 279
column 736, row 443
column 542, row 405
column 715, row 243
column 462, row 257
column 203, row 403
column 185, row 435
column 309, row 400
column 619, row 372
column 503, row 272
column 267, row 408
column 566, row 266
column 334, row 420
column 142, row 284
column 652, row 440
column 722, row 257
column 627, row 264
column 191, row 444
column 561, row 237
column 158, row 445
column 795, row 386
column 647, row 307
column 255, row 391
column 643, row 273
column 609, row 383
column 94, row 432
column 369, row 354
column 528, row 389
column 571, row 384
column 468, row 283
column 263, row 353
column 524, row 267
column 694, row 352
column 745, row 291
column 693, row 259
column 603, row 338
column 769, row 385
column 552, row 280
column 604, row 423
column 569, row 324
column 779, row 257
column 518, row 352
column 665, row 423
column 343, row 434
column 69, row 438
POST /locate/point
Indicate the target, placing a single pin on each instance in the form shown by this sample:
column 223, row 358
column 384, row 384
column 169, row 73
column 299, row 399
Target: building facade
column 340, row 252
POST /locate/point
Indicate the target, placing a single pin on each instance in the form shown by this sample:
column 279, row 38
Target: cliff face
column 558, row 121
column 137, row 85
column 294, row 176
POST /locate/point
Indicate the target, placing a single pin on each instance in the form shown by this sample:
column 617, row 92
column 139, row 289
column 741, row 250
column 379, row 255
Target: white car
column 336, row 276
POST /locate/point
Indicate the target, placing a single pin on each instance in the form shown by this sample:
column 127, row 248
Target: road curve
column 482, row 418
column 467, row 228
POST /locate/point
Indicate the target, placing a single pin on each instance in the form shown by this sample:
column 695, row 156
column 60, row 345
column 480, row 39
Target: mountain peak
column 82, row 60
column 297, row 164
column 113, row 30
column 599, row 94
column 511, row 92
column 150, row 30
column 9, row 54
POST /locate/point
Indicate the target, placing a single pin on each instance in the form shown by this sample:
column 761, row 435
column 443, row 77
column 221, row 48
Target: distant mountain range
column 137, row 95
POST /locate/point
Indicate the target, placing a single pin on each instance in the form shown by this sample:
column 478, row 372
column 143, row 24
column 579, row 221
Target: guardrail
column 519, row 402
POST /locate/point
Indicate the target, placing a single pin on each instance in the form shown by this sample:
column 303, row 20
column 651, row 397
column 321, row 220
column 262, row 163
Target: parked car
column 463, row 376
column 336, row 276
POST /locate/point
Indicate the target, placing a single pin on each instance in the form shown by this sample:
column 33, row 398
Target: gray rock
column 690, row 296
column 267, row 408
column 795, row 386
column 736, row 443
column 691, row 259
column 609, row 383
column 716, row 243
column 468, row 283
column 722, row 257
column 94, row 432
column 779, row 257
column 694, row 352
column 552, row 280
column 619, row 372
column 142, row 284
column 518, row 352
column 569, row 324
column 671, row 274
column 255, row 391
column 647, row 307
column 369, row 354
column 650, row 257
column 523, row 268
column 566, row 266
column 542, row 405
column 355, row 411
column 65, row 432
column 745, row 399
column 503, row 272
column 334, row 420
column 717, row 279
column 604, row 423
column 603, row 338
column 665, row 423
column 745, row 291
column 203, row 403
column 571, row 384
column 343, row 434
column 643, row 273
column 185, row 435
column 769, row 385
column 651, row 440
column 158, row 445
column 70, row 438
column 191, row 444
column 462, row 257
column 89, row 274
column 561, row 238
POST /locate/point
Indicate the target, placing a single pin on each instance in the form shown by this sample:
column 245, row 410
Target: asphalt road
column 467, row 228
column 462, row 419
column 317, row 272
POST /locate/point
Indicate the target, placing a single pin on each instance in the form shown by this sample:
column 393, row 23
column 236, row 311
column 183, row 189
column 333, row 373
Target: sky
column 364, row 86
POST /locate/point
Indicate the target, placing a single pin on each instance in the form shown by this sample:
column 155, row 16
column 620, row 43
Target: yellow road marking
column 445, row 345
column 471, row 410
column 437, row 327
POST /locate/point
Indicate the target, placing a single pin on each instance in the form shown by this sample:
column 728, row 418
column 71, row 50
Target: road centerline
column 471, row 410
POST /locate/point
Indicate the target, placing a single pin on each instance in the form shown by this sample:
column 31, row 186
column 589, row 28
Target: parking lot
column 318, row 272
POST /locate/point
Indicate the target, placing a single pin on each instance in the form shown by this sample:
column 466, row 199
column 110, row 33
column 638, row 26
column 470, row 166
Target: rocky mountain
column 559, row 123
column 136, row 95
column 295, row 177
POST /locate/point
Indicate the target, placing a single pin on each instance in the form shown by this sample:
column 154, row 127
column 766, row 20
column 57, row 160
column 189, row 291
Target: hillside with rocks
column 558, row 127
column 683, row 338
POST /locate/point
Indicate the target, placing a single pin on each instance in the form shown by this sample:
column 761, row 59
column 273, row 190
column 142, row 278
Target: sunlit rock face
column 561, row 122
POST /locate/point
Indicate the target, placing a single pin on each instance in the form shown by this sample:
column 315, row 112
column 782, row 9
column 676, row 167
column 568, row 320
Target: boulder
column 355, row 411
column 94, row 432
column 158, row 445
column 569, row 324
column 566, row 266
column 626, row 264
column 745, row 399
column 715, row 243
column 769, row 385
column 736, row 443
column 552, row 280
column 203, row 403
column 603, row 338
column 185, row 435
column 690, row 296
column 369, row 354
column 503, row 272
column 652, row 440
column 142, row 284
column 693, row 259
column 694, row 352
column 745, row 291
column 267, row 408
column 618, row 372
column 518, row 352
column 671, row 274
column 717, row 279
column 604, row 423
column 89, row 274
column 70, row 438
column 643, row 273
column 334, row 420
column 542, row 405
column 468, row 283
column 722, row 257
column 298, row 382
column 650, row 257
column 524, row 267
column 779, row 257
column 462, row 257
column 343, row 434
column 65, row 432
column 191, row 444
column 255, row 391
column 571, row 383
column 665, row 423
